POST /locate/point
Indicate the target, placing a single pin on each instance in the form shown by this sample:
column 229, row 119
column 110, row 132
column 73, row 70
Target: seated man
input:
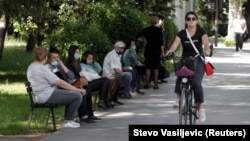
column 112, row 68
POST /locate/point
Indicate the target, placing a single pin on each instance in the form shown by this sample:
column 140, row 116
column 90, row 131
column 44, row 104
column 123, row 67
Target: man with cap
column 112, row 68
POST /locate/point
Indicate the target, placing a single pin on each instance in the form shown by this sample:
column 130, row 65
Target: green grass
column 15, row 108
column 15, row 60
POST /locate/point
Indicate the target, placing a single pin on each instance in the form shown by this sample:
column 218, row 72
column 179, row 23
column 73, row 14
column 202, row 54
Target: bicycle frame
column 187, row 108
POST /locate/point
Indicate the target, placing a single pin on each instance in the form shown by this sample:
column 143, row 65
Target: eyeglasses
column 189, row 19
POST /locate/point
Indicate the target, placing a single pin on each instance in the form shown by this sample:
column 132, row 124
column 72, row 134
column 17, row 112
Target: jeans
column 126, row 78
column 71, row 99
column 196, row 82
column 135, row 83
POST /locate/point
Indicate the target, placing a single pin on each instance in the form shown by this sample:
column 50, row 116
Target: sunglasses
column 189, row 19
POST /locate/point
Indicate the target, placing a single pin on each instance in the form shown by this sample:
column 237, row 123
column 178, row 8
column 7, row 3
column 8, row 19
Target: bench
column 34, row 105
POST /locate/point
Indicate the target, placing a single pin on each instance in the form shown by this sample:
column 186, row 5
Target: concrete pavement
column 227, row 102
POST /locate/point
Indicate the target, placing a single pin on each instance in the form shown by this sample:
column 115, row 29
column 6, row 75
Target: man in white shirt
column 112, row 68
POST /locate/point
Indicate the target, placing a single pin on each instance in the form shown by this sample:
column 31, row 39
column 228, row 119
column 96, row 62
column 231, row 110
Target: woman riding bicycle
column 199, row 37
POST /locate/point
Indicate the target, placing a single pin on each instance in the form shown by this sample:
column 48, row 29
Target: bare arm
column 174, row 46
column 63, row 66
column 63, row 84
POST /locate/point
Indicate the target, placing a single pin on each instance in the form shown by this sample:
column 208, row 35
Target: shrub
column 229, row 42
column 86, row 37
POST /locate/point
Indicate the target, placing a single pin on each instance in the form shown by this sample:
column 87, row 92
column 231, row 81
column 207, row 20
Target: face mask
column 133, row 47
column 119, row 53
column 54, row 63
column 76, row 56
column 89, row 62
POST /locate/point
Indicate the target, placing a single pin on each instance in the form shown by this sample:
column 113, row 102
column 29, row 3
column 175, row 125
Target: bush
column 86, row 37
column 229, row 42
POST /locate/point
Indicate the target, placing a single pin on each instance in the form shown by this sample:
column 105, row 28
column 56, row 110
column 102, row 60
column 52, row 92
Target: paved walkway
column 227, row 101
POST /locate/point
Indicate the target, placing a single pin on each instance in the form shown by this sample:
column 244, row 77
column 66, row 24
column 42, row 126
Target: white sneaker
column 70, row 124
column 202, row 115
column 74, row 123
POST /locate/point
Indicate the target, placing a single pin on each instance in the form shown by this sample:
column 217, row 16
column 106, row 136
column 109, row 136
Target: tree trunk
column 247, row 15
column 31, row 42
column 4, row 22
column 233, row 8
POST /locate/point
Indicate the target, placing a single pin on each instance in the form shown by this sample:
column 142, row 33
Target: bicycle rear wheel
column 183, row 115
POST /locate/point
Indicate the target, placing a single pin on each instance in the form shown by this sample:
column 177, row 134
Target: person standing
column 162, row 69
column 239, row 27
column 200, row 38
column 154, row 49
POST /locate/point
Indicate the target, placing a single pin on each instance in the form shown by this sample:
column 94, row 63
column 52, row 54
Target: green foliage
column 122, row 23
column 229, row 42
column 87, row 37
column 99, row 33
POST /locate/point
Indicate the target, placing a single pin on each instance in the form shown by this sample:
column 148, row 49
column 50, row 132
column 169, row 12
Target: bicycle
column 188, row 109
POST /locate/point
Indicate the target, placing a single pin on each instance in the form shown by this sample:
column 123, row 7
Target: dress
column 152, row 52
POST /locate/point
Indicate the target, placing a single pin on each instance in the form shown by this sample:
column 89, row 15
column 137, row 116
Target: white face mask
column 133, row 47
column 54, row 63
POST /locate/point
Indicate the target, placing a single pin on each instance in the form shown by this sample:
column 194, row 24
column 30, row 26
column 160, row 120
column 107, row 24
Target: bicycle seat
column 184, row 71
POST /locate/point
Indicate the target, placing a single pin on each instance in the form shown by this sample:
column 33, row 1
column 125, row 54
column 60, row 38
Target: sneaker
column 74, row 123
column 202, row 115
column 70, row 124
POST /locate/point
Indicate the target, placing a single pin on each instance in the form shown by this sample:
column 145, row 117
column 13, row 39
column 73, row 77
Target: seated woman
column 46, row 84
column 132, row 64
column 73, row 64
column 56, row 66
column 91, row 69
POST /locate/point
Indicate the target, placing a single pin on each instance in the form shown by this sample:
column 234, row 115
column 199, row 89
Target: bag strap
column 196, row 50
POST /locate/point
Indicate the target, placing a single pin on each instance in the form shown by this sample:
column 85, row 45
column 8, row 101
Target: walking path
column 227, row 101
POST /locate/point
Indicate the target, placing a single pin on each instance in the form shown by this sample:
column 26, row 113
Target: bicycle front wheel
column 183, row 114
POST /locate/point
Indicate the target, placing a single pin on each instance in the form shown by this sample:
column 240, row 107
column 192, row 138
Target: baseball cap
column 120, row 44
